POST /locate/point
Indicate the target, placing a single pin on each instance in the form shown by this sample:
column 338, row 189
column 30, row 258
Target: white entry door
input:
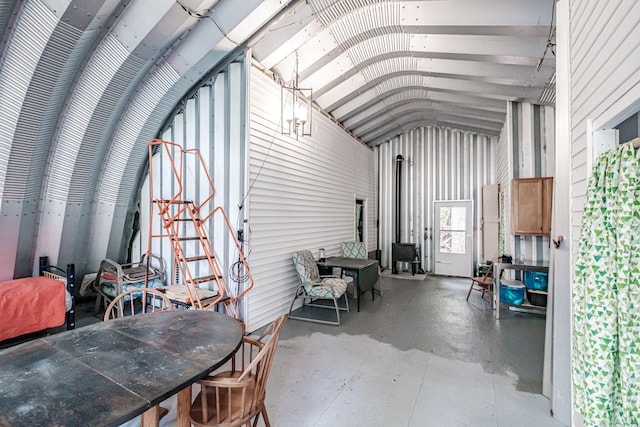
column 453, row 238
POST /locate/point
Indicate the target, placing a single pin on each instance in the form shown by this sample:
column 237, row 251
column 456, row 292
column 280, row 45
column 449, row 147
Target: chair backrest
column 306, row 268
column 260, row 366
column 489, row 271
column 252, row 362
column 124, row 304
column 354, row 250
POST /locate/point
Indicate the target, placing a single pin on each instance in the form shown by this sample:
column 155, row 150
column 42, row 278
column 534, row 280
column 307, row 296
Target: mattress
column 31, row 304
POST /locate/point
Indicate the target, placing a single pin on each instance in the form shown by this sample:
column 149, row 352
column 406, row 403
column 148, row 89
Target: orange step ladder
column 185, row 223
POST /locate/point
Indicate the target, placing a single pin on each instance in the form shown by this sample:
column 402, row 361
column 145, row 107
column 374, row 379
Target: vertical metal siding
column 526, row 150
column 504, row 173
column 440, row 164
column 204, row 123
column 302, row 196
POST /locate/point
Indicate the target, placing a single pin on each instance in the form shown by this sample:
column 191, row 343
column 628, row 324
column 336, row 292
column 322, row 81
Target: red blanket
column 29, row 305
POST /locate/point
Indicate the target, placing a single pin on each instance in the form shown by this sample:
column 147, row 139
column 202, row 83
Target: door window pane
column 452, row 242
column 452, row 229
column 452, row 218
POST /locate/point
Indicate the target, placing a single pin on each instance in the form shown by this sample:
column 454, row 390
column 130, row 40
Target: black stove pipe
column 399, row 160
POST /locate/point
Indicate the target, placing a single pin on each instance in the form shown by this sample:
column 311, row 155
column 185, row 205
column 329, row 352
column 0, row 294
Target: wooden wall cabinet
column 531, row 200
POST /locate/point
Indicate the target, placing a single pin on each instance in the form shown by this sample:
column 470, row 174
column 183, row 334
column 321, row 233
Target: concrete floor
column 418, row 356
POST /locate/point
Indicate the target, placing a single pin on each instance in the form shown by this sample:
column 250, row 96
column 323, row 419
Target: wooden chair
column 236, row 397
column 124, row 304
column 483, row 284
column 151, row 300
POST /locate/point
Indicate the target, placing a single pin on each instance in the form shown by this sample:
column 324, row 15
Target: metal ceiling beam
column 377, row 116
column 340, row 95
column 356, row 55
column 349, row 111
column 392, row 121
column 418, row 123
column 514, row 75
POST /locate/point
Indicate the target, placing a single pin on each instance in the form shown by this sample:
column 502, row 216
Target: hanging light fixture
column 295, row 108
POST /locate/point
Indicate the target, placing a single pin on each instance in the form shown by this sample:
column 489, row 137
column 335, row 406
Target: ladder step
column 204, row 279
column 195, row 258
column 185, row 239
column 175, row 202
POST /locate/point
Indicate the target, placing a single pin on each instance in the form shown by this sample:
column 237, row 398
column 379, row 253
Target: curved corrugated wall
column 440, row 164
column 84, row 86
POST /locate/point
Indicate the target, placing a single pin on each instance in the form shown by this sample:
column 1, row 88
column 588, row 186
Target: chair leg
column 470, row 289
column 335, row 302
column 490, row 289
column 311, row 304
column 293, row 302
column 263, row 411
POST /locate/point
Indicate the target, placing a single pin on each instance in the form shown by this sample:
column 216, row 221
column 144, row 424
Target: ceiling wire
column 550, row 45
column 204, row 13
column 198, row 14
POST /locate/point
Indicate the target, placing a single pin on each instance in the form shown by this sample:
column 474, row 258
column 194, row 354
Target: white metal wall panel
column 605, row 81
column 440, row 164
column 504, row 174
column 301, row 196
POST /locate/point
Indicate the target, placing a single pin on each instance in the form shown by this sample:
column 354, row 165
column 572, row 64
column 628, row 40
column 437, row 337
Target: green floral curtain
column 606, row 294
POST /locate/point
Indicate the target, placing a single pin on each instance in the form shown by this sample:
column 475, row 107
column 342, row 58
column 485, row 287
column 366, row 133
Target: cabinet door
column 531, row 200
column 490, row 221
column 547, row 200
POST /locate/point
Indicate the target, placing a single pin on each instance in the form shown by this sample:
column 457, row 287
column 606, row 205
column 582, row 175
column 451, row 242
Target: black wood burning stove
column 404, row 252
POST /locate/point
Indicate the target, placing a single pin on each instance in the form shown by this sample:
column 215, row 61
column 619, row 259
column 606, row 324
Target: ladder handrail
column 171, row 218
column 179, row 174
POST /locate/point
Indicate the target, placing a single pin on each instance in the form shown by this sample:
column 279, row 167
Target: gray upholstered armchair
column 313, row 287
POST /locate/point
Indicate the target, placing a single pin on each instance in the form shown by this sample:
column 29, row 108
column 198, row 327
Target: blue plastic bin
column 512, row 292
column 536, row 280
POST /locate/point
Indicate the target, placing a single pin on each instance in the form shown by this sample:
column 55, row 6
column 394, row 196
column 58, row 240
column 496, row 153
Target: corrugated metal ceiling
column 81, row 81
column 382, row 67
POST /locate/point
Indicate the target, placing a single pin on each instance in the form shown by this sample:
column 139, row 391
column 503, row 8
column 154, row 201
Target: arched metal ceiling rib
column 476, row 87
column 84, row 81
column 364, row 109
column 409, row 125
column 229, row 26
column 487, row 51
column 460, row 122
column 127, row 67
column 382, row 113
column 511, row 75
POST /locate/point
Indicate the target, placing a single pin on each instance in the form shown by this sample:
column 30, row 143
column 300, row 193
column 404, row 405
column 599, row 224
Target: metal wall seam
column 441, row 163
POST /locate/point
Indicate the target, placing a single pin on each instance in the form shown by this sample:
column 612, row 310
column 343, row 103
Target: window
column 452, row 226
